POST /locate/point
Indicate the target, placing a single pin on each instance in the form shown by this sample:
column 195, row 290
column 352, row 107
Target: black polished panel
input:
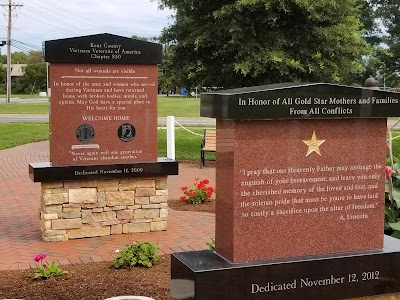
column 203, row 275
column 45, row 172
column 102, row 49
column 300, row 101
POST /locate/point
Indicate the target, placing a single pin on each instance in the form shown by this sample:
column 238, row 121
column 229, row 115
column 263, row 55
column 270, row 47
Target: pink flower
column 389, row 172
column 39, row 257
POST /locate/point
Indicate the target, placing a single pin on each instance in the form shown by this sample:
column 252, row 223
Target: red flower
column 200, row 193
column 389, row 172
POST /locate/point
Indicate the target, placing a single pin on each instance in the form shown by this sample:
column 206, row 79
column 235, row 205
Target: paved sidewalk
column 20, row 236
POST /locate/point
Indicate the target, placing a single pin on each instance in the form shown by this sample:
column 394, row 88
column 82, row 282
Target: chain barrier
column 162, row 126
column 391, row 128
column 188, row 130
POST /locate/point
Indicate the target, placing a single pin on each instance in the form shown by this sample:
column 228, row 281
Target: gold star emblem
column 313, row 144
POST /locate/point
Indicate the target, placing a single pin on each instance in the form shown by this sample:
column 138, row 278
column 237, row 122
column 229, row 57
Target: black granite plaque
column 203, row 275
column 300, row 101
column 46, row 172
column 102, row 49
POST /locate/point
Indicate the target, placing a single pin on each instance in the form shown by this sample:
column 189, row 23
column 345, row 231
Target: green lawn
column 167, row 106
column 396, row 145
column 14, row 134
column 187, row 145
column 178, row 107
column 40, row 108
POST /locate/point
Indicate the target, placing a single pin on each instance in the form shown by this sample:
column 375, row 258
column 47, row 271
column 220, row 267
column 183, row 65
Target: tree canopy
column 388, row 11
column 35, row 77
column 231, row 43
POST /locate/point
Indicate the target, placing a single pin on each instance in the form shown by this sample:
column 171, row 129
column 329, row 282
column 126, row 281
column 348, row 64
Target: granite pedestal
column 300, row 181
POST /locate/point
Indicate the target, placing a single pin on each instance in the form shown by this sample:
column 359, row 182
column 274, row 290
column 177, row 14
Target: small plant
column 200, row 193
column 137, row 254
column 211, row 244
column 45, row 270
column 392, row 193
column 392, row 201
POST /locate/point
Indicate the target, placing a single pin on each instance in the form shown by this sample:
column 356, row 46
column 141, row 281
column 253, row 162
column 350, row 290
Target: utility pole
column 10, row 8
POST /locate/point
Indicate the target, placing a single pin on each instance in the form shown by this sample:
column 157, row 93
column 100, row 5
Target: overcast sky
column 41, row 20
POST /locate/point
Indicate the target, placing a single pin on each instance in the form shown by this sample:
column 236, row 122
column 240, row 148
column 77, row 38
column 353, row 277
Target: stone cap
column 299, row 101
column 102, row 49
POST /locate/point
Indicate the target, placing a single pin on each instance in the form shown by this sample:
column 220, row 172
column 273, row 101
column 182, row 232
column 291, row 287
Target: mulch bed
column 186, row 206
column 97, row 281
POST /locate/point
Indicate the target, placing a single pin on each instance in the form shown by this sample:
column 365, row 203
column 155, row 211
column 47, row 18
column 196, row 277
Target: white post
column 171, row 137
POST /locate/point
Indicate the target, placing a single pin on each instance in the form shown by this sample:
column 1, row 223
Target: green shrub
column 46, row 270
column 211, row 244
column 138, row 254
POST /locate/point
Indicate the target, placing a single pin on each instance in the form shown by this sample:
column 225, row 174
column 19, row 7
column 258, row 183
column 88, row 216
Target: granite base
column 204, row 275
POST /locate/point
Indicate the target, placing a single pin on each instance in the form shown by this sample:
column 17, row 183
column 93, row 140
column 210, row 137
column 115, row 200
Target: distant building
column 17, row 70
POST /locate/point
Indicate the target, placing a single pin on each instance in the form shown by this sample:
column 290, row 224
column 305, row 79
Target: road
column 21, row 100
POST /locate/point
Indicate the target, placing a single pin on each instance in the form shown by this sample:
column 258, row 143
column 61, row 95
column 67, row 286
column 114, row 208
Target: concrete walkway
column 20, row 235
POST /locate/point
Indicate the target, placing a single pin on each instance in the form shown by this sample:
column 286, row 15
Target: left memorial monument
column 105, row 176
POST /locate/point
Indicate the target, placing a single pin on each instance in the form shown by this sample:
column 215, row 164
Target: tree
column 389, row 13
column 34, row 79
column 370, row 22
column 143, row 38
column 19, row 57
column 34, row 57
column 3, row 75
column 167, row 79
column 232, row 43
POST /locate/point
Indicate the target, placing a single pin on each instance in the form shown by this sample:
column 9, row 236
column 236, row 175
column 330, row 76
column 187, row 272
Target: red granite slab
column 274, row 201
column 103, row 113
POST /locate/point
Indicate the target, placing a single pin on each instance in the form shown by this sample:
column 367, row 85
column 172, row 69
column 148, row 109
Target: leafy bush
column 138, row 254
column 392, row 193
column 392, row 201
column 211, row 244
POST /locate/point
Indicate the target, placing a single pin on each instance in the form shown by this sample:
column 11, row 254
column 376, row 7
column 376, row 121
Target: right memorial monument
column 300, row 181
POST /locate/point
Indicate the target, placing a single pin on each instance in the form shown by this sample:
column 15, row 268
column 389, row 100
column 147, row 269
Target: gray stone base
column 89, row 208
